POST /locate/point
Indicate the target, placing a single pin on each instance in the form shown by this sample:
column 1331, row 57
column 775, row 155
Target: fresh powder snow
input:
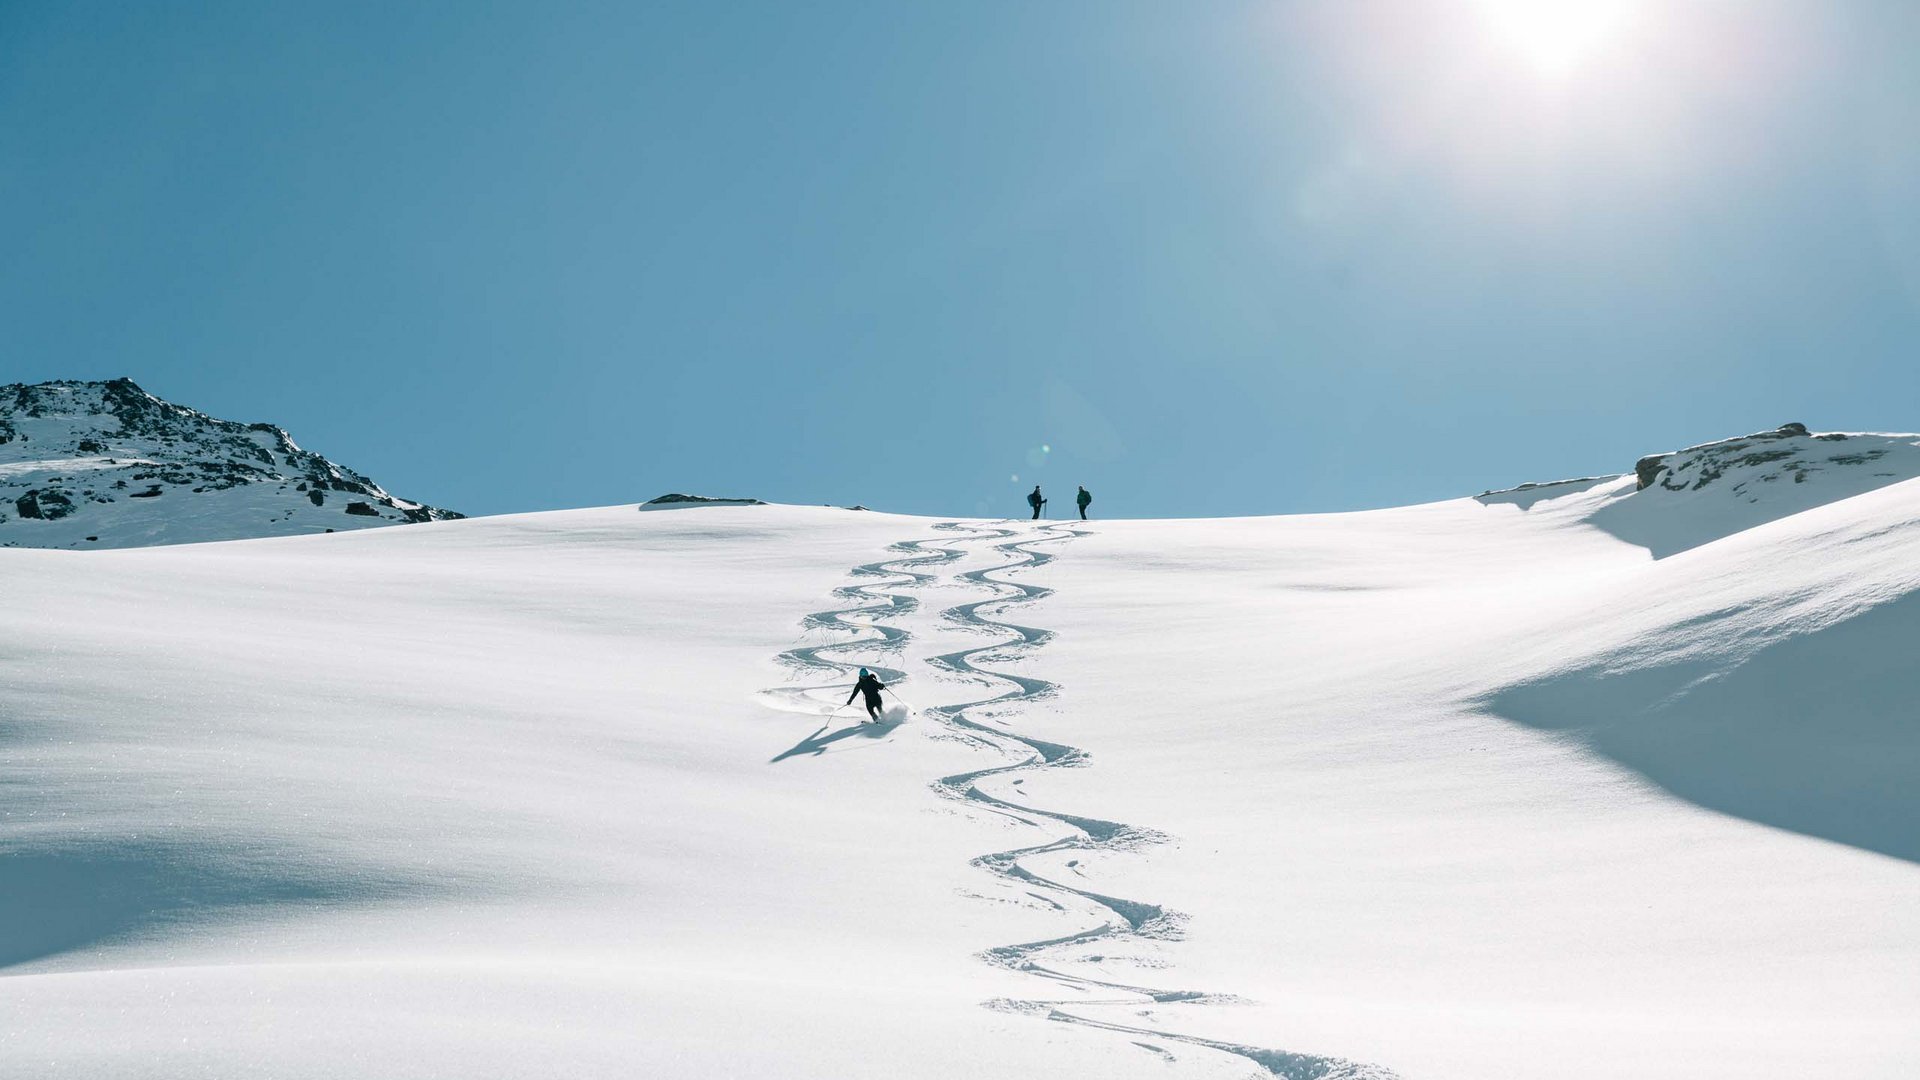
column 1589, row 779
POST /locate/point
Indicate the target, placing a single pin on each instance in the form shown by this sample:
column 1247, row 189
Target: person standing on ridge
column 871, row 687
column 1083, row 499
column 1036, row 500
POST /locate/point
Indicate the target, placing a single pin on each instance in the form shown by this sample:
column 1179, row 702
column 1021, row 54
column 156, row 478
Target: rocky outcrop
column 1704, row 493
column 1685, row 498
column 44, row 505
column 1697, row 466
column 677, row 501
column 87, row 451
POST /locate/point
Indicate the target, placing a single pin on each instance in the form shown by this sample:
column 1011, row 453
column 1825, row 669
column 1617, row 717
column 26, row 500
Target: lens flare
column 1556, row 35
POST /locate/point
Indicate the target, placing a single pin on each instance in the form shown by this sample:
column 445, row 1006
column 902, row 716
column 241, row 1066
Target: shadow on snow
column 818, row 742
column 61, row 900
column 1813, row 734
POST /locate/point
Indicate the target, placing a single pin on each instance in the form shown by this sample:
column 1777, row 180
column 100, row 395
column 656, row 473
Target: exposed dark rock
column 1857, row 459
column 362, row 509
column 667, row 500
column 316, row 496
column 1761, row 457
column 46, row 505
column 1648, row 469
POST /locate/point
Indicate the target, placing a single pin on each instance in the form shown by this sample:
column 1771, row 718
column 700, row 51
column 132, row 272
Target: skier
column 1083, row 499
column 871, row 687
column 1036, row 500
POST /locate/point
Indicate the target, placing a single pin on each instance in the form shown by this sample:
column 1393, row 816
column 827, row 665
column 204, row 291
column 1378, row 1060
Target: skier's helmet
column 864, row 673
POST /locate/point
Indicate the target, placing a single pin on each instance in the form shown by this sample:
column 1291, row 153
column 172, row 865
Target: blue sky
column 1214, row 258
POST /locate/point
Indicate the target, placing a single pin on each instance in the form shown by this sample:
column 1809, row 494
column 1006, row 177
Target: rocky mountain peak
column 107, row 464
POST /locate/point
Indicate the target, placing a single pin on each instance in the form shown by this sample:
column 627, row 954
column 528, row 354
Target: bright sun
column 1555, row 35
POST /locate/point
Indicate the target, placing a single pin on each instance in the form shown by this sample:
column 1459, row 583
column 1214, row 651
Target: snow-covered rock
column 1675, row 501
column 676, row 501
column 106, row 464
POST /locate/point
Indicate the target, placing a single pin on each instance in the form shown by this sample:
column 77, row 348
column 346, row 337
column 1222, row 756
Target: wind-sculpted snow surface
column 1117, row 921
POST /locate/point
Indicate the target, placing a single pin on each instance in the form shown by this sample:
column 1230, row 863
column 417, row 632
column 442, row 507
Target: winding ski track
column 1118, row 919
column 867, row 600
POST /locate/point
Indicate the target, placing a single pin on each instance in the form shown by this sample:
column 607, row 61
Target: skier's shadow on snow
column 818, row 742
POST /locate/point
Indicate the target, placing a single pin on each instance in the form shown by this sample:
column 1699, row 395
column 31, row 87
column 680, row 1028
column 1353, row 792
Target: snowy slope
column 1378, row 853
column 1475, row 789
column 106, row 464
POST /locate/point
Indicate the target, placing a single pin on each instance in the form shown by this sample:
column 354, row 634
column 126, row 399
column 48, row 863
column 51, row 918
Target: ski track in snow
column 1121, row 920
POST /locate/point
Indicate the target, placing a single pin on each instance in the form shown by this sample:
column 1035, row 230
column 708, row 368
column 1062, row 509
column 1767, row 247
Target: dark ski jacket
column 1033, row 498
column 869, row 686
column 1083, row 498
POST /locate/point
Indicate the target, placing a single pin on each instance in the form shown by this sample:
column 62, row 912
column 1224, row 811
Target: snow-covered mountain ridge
column 106, row 464
column 1678, row 500
column 1769, row 456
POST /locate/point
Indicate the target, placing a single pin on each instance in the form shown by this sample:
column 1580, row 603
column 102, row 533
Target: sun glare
column 1556, row 35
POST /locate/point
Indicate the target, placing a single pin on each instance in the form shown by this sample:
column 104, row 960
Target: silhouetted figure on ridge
column 1083, row 499
column 1036, row 500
